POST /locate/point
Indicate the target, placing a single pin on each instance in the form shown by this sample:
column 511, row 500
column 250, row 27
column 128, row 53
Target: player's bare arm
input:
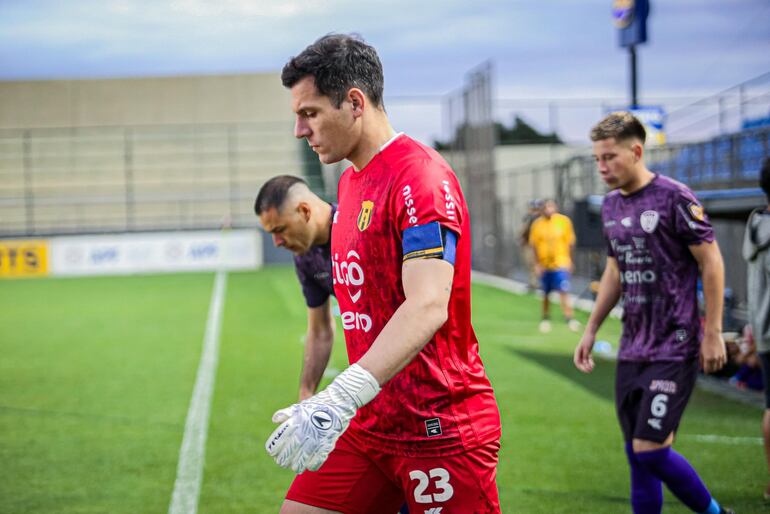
column 318, row 347
column 606, row 298
column 413, row 324
column 713, row 354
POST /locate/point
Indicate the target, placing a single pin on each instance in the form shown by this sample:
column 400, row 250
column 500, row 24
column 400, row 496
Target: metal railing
column 135, row 178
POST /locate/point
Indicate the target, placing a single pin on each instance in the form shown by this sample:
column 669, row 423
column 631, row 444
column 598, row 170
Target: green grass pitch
column 96, row 376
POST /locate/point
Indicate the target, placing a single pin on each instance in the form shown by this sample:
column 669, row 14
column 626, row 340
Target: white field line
column 189, row 471
column 723, row 439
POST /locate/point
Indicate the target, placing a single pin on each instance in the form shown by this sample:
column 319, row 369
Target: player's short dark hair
column 764, row 178
column 338, row 62
column 273, row 193
column 621, row 125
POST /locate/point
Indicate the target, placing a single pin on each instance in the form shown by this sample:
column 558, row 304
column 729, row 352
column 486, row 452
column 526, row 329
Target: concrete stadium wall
column 144, row 101
column 110, row 155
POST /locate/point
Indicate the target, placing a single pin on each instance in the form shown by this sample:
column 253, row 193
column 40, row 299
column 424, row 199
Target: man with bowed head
column 658, row 237
column 414, row 417
column 299, row 221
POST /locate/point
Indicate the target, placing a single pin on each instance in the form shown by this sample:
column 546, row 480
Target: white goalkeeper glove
column 310, row 429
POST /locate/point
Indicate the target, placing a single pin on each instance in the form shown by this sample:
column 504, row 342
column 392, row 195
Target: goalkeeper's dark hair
column 273, row 193
column 337, row 63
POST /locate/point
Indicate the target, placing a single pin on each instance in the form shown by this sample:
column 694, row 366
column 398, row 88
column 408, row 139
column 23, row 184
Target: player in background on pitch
column 414, row 416
column 552, row 240
column 658, row 237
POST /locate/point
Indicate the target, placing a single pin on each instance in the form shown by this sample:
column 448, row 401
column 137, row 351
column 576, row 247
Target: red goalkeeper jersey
column 441, row 402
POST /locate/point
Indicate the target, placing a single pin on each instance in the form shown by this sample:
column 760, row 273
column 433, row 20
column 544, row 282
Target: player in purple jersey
column 658, row 237
column 300, row 221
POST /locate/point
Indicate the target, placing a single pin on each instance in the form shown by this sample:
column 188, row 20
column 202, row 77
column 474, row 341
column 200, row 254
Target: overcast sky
column 539, row 48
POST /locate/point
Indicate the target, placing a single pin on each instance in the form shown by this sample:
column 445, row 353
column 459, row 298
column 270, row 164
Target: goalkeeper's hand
column 309, row 430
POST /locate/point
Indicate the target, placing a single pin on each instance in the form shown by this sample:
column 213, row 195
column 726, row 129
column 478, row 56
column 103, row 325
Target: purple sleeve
column 691, row 224
column 314, row 294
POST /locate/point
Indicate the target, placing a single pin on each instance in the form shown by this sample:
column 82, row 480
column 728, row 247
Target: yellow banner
column 23, row 258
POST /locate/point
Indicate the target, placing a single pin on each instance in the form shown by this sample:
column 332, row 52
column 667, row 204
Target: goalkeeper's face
column 331, row 131
column 290, row 228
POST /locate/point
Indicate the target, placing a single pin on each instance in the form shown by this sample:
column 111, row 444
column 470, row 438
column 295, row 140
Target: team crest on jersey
column 365, row 216
column 649, row 220
column 696, row 211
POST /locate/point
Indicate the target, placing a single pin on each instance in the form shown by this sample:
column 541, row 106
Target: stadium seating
column 728, row 161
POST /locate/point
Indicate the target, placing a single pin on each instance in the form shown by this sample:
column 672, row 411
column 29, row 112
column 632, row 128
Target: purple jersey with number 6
column 648, row 232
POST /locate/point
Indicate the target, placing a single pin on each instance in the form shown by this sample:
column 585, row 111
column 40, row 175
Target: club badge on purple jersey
column 649, row 220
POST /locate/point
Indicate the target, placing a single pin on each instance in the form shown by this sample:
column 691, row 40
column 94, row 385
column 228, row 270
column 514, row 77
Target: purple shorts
column 650, row 397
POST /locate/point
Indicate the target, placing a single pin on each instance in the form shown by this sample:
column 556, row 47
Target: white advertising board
column 156, row 252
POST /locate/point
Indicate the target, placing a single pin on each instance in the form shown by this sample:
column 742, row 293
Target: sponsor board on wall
column 23, row 258
column 159, row 252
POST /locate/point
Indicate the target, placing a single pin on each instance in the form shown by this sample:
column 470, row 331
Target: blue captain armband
column 430, row 241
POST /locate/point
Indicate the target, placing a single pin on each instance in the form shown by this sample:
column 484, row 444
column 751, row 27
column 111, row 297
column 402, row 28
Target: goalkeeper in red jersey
column 414, row 417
